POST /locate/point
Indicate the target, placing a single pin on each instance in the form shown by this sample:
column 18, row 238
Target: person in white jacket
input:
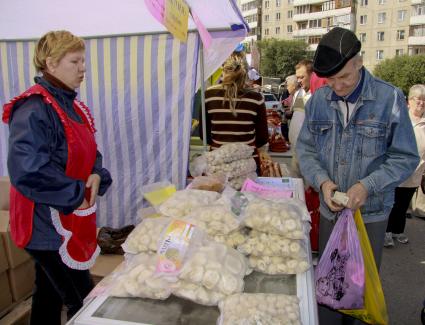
column 303, row 71
column 404, row 193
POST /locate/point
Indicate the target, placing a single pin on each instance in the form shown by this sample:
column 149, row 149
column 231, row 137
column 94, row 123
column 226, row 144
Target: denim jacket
column 376, row 148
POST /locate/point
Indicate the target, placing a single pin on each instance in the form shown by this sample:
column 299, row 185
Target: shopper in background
column 357, row 138
column 235, row 113
column 56, row 174
column 404, row 193
column 303, row 71
column 292, row 86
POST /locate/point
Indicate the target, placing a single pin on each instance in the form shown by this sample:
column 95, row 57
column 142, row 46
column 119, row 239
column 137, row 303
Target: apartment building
column 251, row 11
column 306, row 20
column 386, row 28
column 416, row 40
column 383, row 29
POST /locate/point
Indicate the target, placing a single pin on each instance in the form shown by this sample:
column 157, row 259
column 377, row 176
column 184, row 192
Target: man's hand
column 328, row 188
column 357, row 195
column 93, row 183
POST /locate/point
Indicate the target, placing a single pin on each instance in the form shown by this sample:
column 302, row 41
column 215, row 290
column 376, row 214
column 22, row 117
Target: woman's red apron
column 79, row 248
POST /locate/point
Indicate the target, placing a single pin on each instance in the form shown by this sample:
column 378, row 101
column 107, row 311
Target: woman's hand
column 93, row 183
column 84, row 205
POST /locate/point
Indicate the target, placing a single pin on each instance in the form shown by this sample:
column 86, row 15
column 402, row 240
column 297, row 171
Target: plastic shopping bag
column 375, row 309
column 340, row 277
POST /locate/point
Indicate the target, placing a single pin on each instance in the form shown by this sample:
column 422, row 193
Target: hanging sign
column 176, row 18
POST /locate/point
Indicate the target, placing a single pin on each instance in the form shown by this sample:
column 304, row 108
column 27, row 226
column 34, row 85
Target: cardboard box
column 5, row 295
column 4, row 263
column 4, row 192
column 21, row 280
column 15, row 255
column 104, row 265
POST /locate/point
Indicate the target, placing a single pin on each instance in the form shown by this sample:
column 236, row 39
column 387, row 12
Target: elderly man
column 356, row 138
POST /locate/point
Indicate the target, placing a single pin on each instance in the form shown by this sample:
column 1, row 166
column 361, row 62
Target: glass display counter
column 106, row 310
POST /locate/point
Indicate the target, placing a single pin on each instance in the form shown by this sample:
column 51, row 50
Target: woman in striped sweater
column 235, row 113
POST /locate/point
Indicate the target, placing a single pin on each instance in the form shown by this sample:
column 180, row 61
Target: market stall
column 106, row 309
column 140, row 82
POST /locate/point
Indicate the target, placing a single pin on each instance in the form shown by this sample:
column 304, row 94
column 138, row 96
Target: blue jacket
column 37, row 159
column 376, row 148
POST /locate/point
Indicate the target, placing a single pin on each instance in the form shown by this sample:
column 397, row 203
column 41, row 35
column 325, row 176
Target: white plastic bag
column 145, row 237
column 278, row 264
column 182, row 202
column 259, row 308
column 138, row 279
column 263, row 244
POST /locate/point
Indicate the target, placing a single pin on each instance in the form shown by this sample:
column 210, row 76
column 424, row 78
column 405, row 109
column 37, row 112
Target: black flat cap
column 334, row 50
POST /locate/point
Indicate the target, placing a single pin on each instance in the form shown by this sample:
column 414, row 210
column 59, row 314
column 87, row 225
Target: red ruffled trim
column 86, row 113
column 49, row 99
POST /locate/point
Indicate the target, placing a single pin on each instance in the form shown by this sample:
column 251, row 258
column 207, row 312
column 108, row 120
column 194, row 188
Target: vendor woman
column 235, row 113
column 56, row 174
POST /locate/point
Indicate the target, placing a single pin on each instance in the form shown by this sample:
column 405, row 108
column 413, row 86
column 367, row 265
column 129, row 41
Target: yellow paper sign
column 176, row 18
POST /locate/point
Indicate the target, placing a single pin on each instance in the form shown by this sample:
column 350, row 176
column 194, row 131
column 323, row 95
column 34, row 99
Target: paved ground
column 403, row 276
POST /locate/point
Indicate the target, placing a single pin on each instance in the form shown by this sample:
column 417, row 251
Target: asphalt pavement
column 403, row 275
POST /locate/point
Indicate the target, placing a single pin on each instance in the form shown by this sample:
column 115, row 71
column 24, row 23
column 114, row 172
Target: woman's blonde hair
column 417, row 91
column 55, row 44
column 234, row 78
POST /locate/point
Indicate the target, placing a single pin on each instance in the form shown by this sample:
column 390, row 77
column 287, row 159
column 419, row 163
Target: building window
column 277, row 30
column 381, row 2
column 401, row 14
column 266, row 31
column 363, row 3
column 302, row 10
column 400, row 34
column 399, row 52
column 315, row 23
column 289, row 28
column 381, row 17
column 266, row 17
column 290, row 2
column 289, row 13
column 380, row 36
column 277, row 3
column 420, row 10
column 328, row 5
column 363, row 20
column 418, row 31
column 267, row 4
column 362, row 37
column 380, row 54
column 278, row 16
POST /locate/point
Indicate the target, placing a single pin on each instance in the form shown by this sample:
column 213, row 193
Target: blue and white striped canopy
column 140, row 89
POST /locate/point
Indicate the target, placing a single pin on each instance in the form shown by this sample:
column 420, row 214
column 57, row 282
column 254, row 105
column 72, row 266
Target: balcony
column 322, row 14
column 312, row 47
column 416, row 2
column 309, row 32
column 416, row 40
column 416, row 20
column 307, row 2
column 253, row 24
column 250, row 12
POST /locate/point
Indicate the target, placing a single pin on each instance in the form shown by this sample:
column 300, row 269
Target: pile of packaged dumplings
column 204, row 243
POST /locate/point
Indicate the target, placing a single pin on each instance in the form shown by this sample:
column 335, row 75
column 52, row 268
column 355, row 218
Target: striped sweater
column 248, row 126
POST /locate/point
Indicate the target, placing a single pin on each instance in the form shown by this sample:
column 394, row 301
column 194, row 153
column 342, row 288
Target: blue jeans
column 56, row 285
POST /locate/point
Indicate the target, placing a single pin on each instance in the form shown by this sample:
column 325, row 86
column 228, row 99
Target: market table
column 106, row 310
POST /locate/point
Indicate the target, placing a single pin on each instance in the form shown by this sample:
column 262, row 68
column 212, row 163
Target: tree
column 402, row 71
column 279, row 57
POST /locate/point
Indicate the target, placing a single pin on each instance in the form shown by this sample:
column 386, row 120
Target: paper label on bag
column 284, row 183
column 265, row 191
column 173, row 247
